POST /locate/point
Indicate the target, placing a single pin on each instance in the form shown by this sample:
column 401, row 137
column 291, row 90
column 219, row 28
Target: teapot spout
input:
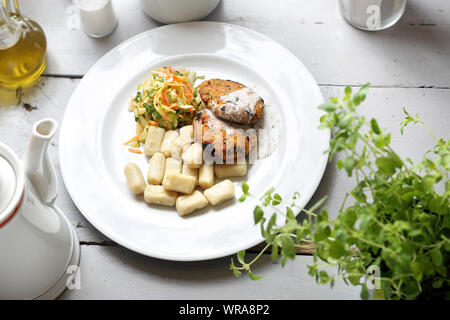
column 38, row 166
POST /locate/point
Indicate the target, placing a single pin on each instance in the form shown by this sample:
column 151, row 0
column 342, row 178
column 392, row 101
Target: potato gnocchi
column 179, row 182
column 220, row 192
column 153, row 141
column 156, row 167
column 168, row 142
column 177, row 175
column 135, row 178
column 188, row 203
column 159, row 195
column 230, row 170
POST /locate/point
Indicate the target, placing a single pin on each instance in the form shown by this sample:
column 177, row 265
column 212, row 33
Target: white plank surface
column 413, row 53
column 398, row 61
column 116, row 273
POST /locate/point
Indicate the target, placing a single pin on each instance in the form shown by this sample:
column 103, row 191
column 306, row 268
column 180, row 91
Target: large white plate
column 97, row 122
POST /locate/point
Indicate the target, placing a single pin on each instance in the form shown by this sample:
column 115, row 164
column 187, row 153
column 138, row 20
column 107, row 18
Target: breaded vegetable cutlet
column 232, row 101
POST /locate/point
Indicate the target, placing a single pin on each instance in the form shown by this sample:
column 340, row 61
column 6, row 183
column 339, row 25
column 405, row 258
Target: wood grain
column 117, row 273
column 413, row 53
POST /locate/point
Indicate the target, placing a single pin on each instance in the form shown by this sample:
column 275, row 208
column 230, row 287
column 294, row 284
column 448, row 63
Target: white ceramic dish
column 97, row 122
column 173, row 11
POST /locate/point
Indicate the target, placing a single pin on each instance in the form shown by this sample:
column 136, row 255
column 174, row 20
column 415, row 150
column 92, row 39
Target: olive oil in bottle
column 22, row 49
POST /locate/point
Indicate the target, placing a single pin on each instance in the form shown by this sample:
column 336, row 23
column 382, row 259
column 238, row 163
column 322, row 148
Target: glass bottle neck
column 9, row 28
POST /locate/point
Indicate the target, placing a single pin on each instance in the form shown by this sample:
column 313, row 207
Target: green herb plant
column 397, row 221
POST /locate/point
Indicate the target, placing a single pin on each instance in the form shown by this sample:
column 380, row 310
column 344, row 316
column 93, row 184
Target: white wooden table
column 408, row 66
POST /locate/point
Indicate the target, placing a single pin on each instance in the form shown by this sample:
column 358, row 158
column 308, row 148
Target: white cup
column 97, row 17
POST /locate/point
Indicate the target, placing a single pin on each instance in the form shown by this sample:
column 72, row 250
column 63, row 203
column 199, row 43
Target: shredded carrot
column 189, row 92
column 165, row 113
column 134, row 139
column 171, row 70
column 189, row 87
column 180, row 115
column 152, row 123
column 180, row 79
column 135, row 150
column 168, row 72
column 174, row 106
column 175, row 84
column 166, row 98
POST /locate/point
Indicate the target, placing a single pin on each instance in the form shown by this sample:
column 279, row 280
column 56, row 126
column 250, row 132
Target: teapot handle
column 38, row 167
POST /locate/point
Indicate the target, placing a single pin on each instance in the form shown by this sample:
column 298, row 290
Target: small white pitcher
column 39, row 249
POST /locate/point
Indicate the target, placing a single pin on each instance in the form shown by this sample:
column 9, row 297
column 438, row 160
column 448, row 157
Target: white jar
column 372, row 15
column 173, row 11
column 97, row 17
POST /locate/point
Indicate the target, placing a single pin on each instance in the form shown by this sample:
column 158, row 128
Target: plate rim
column 322, row 164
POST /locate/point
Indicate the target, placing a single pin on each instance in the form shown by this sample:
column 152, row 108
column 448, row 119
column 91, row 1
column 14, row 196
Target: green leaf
column 348, row 217
column 349, row 165
column 346, row 121
column 348, row 92
column 336, row 250
column 416, row 270
column 322, row 232
column 385, row 165
column 271, row 223
column 252, row 276
column 364, row 292
column 360, row 96
column 442, row 270
column 275, row 202
column 354, row 277
column 233, row 268
column 237, row 272
column 437, row 283
column 274, row 253
column 283, row 260
column 241, row 256
column 258, row 214
column 245, row 187
column 324, row 277
column 382, row 140
column 287, row 246
column 289, row 214
column 328, row 106
column 242, row 198
column 436, row 257
column 374, row 126
column 261, row 225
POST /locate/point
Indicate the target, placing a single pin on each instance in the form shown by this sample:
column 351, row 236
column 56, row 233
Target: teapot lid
column 8, row 183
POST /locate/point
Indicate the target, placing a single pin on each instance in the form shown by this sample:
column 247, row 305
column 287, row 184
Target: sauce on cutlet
column 214, row 123
column 236, row 105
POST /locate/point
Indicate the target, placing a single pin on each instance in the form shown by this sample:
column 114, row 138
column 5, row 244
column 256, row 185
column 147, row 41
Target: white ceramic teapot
column 39, row 249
